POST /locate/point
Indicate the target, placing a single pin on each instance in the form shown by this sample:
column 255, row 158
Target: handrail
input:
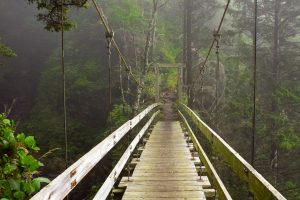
column 112, row 178
column 217, row 183
column 63, row 184
column 256, row 183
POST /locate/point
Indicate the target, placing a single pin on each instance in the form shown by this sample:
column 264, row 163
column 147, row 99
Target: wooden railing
column 62, row 185
column 211, row 172
column 112, row 178
column 260, row 188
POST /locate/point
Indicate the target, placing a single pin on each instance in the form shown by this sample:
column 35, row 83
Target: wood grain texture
column 60, row 187
column 214, row 177
column 257, row 184
column 112, row 178
column 165, row 168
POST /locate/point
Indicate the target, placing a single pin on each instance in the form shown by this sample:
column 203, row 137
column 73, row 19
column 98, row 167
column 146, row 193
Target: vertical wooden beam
column 157, row 85
column 180, row 82
column 184, row 40
column 189, row 8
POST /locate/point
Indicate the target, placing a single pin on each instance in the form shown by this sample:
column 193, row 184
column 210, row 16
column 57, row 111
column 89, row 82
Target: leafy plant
column 6, row 51
column 17, row 166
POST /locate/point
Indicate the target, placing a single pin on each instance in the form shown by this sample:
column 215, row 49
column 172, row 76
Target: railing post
column 179, row 84
column 157, row 85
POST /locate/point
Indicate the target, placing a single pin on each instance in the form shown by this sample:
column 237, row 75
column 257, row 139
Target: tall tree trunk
column 121, row 83
column 151, row 29
column 184, row 40
column 275, row 85
column 153, row 35
column 189, row 7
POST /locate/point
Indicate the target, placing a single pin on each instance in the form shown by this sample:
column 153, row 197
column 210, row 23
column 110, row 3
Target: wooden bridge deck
column 166, row 169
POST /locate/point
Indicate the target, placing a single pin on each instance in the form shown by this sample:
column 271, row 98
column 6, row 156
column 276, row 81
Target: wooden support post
column 179, row 83
column 157, row 85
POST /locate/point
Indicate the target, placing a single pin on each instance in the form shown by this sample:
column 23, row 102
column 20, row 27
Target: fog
column 212, row 72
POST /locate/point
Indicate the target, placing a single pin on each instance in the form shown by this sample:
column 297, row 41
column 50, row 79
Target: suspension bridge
column 165, row 159
column 167, row 162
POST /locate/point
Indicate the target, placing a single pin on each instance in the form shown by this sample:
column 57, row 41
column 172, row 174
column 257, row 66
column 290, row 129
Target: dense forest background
column 30, row 75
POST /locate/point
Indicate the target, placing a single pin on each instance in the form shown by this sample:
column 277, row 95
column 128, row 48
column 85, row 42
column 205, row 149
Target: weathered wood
column 164, row 188
column 160, row 194
column 214, row 177
column 167, row 159
column 112, row 178
column 164, row 174
column 65, row 182
column 256, row 183
column 204, row 182
column 165, row 168
column 161, row 198
column 136, row 170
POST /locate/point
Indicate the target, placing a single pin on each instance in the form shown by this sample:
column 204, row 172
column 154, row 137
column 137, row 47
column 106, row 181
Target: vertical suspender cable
column 214, row 40
column 64, row 82
column 217, row 38
column 109, row 36
column 254, row 83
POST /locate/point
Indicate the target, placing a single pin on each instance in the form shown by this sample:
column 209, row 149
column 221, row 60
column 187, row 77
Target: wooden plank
column 163, row 198
column 173, row 194
column 157, row 167
column 164, row 188
column 201, row 183
column 164, row 150
column 112, row 178
column 163, row 174
column 165, row 168
column 216, row 181
column 256, row 183
column 167, row 159
column 65, row 182
column 170, row 178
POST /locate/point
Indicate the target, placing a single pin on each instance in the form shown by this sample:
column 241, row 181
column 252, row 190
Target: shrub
column 18, row 168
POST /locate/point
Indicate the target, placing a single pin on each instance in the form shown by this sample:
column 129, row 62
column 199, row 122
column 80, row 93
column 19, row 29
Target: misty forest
column 224, row 74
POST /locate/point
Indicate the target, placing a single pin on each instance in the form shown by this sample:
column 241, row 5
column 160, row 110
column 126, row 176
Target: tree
column 52, row 12
column 189, row 62
column 148, row 43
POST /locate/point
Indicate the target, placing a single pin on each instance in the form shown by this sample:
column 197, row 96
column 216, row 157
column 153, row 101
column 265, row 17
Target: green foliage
column 168, row 48
column 85, row 103
column 286, row 95
column 149, row 89
column 170, row 53
column 119, row 115
column 172, row 79
column 50, row 13
column 127, row 14
column 6, row 51
column 288, row 139
column 17, row 165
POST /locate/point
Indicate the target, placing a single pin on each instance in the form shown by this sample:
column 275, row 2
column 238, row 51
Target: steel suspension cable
column 64, row 82
column 254, row 84
column 217, row 38
column 109, row 37
column 202, row 68
column 214, row 40
column 108, row 30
